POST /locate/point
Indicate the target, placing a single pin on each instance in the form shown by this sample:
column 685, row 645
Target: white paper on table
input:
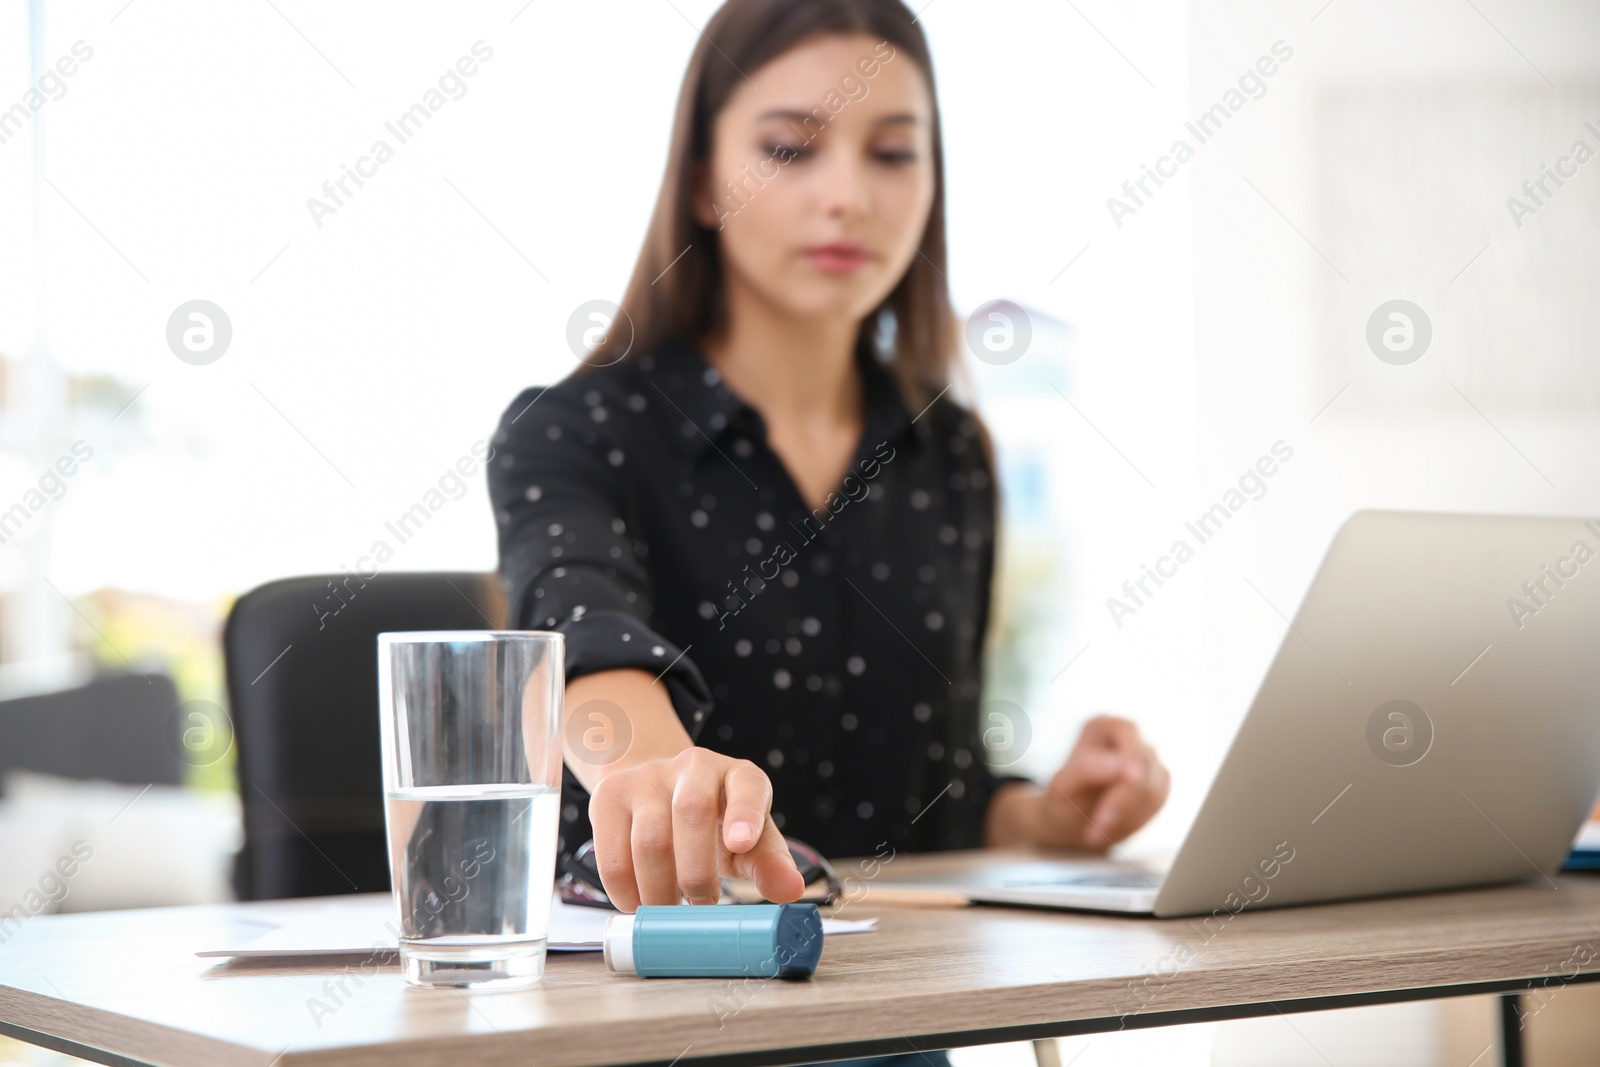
column 363, row 925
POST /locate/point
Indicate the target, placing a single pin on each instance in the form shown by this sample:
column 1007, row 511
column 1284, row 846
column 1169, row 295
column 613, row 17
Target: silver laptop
column 1431, row 721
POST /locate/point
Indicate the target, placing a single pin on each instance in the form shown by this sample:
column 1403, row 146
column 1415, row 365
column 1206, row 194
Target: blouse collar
column 704, row 409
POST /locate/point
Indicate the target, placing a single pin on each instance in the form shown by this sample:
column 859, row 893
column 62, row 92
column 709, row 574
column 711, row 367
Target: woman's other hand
column 1110, row 785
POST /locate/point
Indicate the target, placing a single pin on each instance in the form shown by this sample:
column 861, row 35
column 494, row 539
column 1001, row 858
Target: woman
column 763, row 524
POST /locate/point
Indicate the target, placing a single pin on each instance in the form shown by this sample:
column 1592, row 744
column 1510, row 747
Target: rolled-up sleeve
column 569, row 559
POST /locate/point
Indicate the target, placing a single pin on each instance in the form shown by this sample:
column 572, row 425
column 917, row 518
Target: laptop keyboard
column 1104, row 880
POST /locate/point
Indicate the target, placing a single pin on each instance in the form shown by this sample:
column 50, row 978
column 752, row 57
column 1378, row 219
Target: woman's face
column 820, row 180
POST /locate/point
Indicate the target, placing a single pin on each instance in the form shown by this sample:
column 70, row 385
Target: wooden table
column 125, row 988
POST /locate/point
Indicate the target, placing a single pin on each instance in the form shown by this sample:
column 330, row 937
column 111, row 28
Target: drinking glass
column 470, row 723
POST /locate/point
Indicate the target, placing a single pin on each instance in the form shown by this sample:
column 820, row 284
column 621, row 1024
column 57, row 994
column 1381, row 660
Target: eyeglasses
column 580, row 879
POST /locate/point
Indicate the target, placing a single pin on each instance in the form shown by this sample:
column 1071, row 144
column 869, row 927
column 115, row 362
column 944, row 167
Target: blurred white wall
column 1378, row 167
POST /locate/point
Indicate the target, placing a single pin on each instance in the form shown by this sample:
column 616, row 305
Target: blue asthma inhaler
column 716, row 941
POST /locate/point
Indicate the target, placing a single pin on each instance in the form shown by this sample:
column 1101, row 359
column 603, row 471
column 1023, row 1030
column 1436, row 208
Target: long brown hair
column 914, row 329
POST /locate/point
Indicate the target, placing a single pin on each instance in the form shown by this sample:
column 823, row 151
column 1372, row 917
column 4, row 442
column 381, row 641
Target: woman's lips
column 841, row 257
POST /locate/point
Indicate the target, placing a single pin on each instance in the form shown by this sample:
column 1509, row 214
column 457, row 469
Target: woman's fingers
column 1111, row 731
column 654, row 868
column 1123, row 792
column 1098, row 760
column 612, row 820
column 696, row 807
column 1088, row 770
column 1140, row 790
column 1110, row 785
column 1157, row 784
column 1075, row 797
column 756, row 850
column 749, row 798
column 1110, row 812
column 770, row 866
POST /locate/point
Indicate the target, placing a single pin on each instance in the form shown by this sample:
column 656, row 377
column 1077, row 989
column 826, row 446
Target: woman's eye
column 897, row 157
column 785, row 153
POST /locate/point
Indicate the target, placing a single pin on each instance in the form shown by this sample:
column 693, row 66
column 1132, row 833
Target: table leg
column 1511, row 1030
column 1047, row 1052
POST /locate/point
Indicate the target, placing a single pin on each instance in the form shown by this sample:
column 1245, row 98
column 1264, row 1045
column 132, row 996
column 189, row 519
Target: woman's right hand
column 667, row 829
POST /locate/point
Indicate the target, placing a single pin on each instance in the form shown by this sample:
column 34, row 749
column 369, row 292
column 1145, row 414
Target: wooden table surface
column 126, row 988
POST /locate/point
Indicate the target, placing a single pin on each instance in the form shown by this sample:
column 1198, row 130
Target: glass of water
column 471, row 739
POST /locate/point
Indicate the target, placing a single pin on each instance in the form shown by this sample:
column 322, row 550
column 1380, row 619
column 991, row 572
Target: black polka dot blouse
column 642, row 514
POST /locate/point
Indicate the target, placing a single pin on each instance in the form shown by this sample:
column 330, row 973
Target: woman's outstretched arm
column 667, row 817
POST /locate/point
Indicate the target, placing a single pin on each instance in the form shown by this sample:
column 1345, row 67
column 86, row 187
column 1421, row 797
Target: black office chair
column 302, row 665
column 119, row 726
